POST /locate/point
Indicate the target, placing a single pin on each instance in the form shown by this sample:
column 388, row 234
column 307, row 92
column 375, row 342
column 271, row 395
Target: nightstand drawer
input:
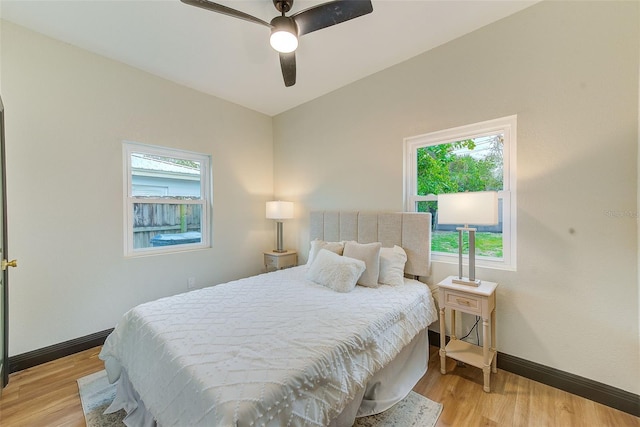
column 271, row 262
column 463, row 302
column 280, row 260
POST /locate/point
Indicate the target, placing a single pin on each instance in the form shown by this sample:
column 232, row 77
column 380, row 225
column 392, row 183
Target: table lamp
column 279, row 210
column 477, row 208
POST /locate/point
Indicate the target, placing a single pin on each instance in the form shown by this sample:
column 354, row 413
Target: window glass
column 167, row 199
column 454, row 167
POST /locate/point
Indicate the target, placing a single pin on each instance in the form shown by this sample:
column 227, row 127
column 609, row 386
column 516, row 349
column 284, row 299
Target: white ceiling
column 232, row 59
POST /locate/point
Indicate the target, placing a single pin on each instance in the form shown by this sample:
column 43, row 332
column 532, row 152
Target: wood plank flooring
column 47, row 395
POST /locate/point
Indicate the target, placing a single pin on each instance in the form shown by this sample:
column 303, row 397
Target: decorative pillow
column 392, row 261
column 334, row 271
column 370, row 254
column 316, row 245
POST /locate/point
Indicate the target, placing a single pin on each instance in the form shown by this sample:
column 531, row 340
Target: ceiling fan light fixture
column 284, row 37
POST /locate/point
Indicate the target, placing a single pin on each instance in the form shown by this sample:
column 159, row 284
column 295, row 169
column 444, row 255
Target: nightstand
column 480, row 301
column 279, row 260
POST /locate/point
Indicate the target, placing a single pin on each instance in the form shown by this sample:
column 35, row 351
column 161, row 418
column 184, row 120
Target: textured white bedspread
column 274, row 349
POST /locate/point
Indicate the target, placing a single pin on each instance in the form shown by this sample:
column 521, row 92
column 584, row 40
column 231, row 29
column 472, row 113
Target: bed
column 284, row 348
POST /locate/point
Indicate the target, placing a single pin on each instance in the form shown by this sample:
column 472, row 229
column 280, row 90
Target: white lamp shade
column 279, row 210
column 476, row 208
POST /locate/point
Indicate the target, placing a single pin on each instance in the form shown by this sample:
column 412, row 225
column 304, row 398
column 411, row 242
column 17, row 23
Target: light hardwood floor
column 47, row 395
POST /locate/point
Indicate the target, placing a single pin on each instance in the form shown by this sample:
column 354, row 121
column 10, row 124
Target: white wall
column 569, row 70
column 67, row 113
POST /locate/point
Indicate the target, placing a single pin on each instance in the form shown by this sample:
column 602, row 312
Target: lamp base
column 279, row 251
column 466, row 281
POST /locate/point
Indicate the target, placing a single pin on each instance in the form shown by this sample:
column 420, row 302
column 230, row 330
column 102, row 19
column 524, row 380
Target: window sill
column 480, row 262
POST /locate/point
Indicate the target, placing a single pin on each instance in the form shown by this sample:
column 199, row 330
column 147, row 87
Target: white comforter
column 273, row 349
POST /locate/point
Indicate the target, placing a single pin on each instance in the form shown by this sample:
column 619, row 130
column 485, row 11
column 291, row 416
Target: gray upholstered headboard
column 411, row 231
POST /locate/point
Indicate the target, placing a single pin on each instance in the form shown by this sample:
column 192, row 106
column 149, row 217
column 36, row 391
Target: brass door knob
column 12, row 263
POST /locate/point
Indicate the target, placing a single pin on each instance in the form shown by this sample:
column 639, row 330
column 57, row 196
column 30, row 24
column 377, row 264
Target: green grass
column 487, row 244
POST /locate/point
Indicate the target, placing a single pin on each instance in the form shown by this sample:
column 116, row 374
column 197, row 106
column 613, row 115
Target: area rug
column 97, row 394
column 412, row 411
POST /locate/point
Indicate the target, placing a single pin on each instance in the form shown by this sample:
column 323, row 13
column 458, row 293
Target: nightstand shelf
column 467, row 353
column 479, row 301
column 279, row 260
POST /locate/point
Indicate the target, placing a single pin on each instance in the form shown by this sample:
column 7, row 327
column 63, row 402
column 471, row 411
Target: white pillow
column 370, row 254
column 316, row 245
column 334, row 271
column 392, row 261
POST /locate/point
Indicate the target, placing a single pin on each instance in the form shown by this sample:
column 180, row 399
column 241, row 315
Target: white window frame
column 508, row 127
column 205, row 201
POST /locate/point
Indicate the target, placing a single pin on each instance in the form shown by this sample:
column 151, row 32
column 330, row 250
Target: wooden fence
column 151, row 219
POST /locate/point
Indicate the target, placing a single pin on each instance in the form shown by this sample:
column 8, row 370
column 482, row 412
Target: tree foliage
column 451, row 168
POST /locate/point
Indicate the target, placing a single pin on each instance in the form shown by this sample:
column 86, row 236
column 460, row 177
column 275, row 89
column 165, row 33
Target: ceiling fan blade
column 288, row 65
column 215, row 7
column 330, row 13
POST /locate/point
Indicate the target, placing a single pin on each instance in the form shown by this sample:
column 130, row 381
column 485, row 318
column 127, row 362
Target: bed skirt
column 391, row 384
column 386, row 388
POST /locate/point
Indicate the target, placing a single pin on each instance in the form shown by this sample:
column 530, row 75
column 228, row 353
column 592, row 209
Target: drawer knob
column 462, row 301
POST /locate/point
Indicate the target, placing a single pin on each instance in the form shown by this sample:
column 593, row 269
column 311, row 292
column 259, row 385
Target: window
column 167, row 199
column 478, row 157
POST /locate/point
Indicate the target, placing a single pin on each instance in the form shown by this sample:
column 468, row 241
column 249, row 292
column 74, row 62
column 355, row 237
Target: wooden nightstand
column 480, row 301
column 279, row 260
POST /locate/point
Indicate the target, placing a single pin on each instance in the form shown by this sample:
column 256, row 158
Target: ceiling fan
column 285, row 30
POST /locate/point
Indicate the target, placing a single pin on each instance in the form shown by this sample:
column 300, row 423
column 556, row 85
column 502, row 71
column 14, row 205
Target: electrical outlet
column 191, row 283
